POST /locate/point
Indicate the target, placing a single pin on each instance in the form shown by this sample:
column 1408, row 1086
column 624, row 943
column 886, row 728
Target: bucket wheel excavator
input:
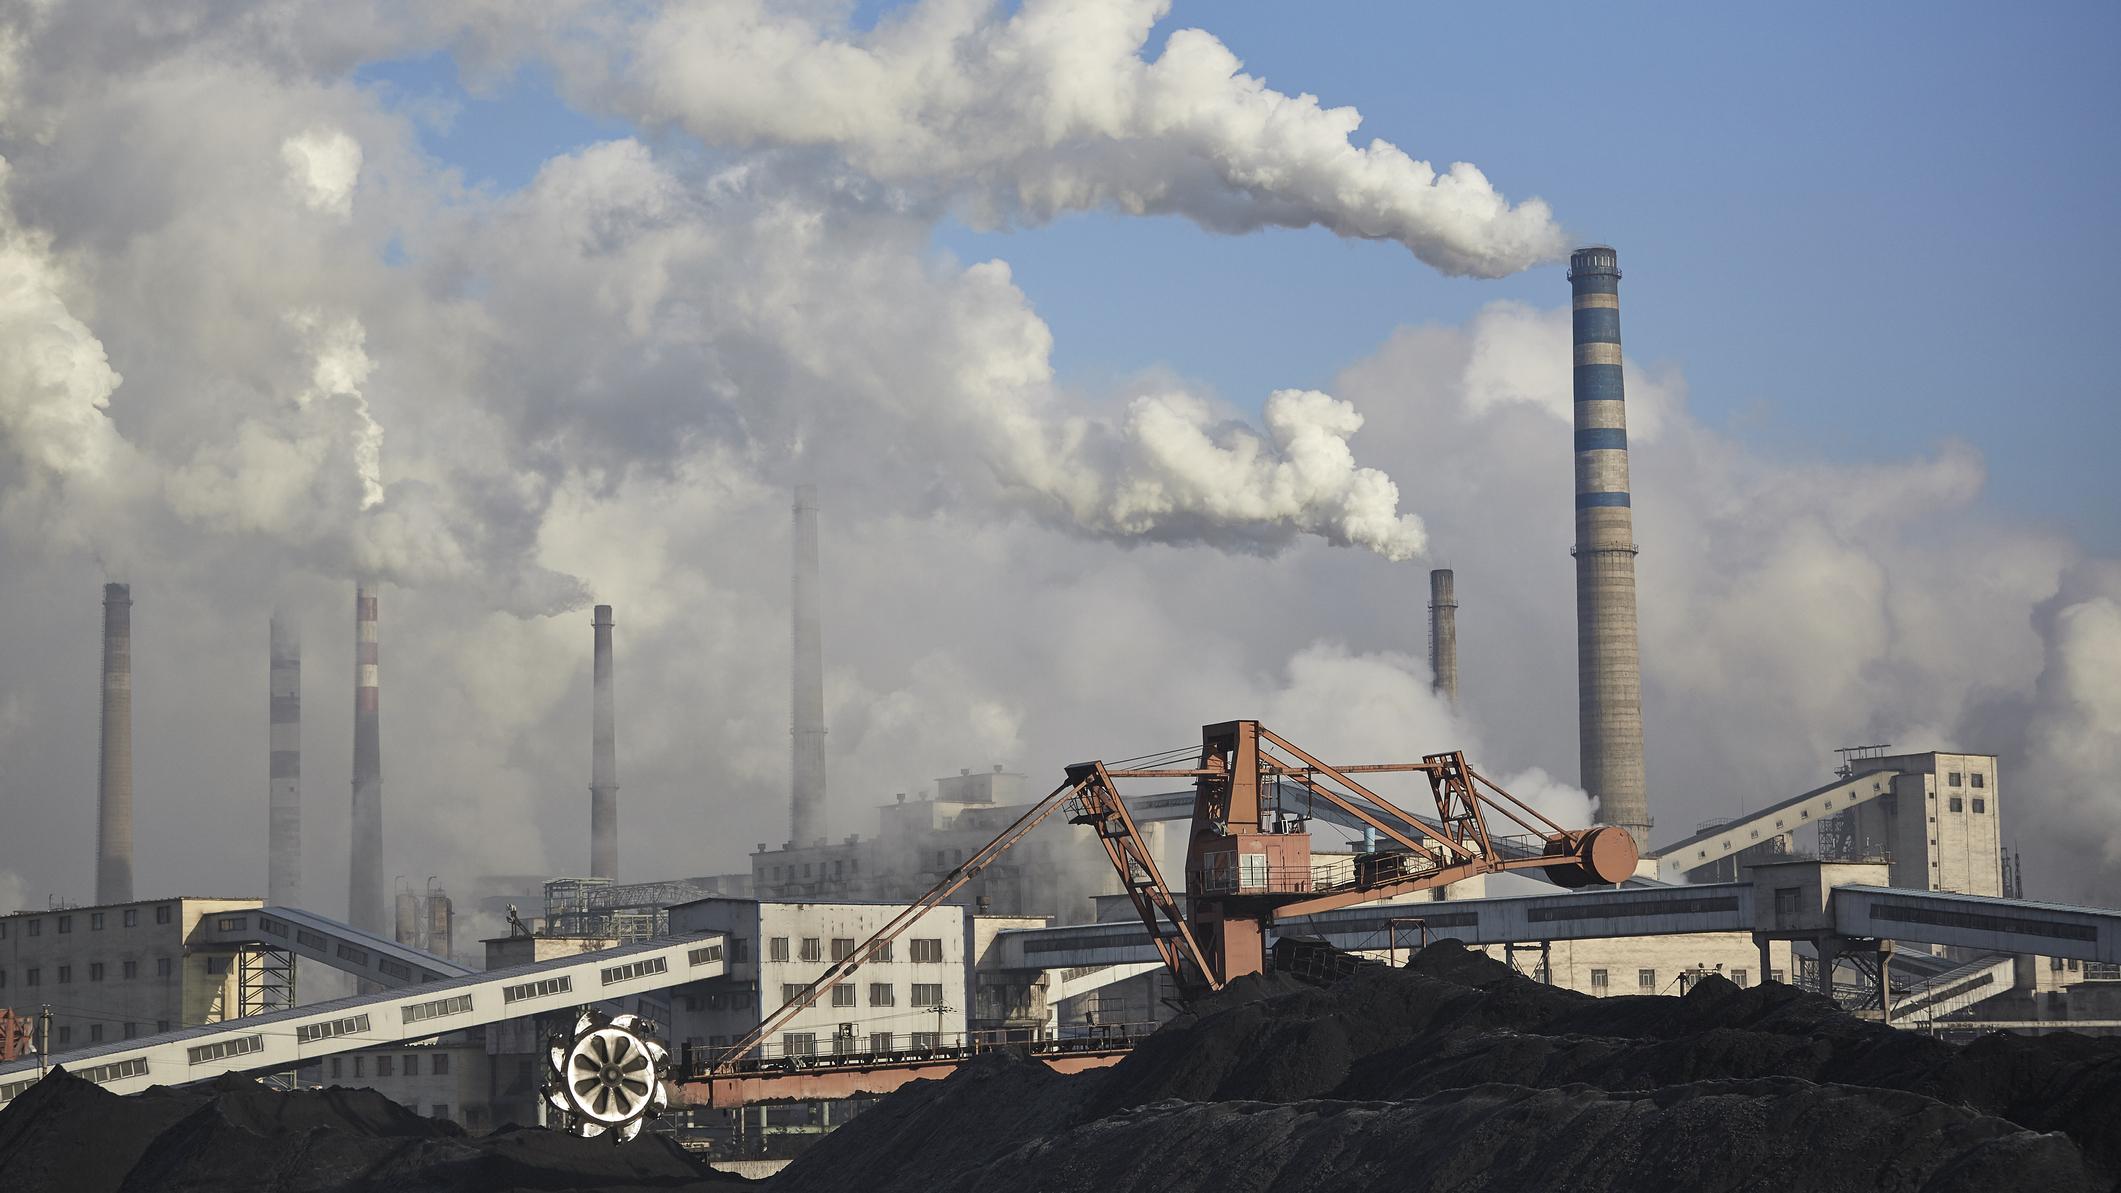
column 1248, row 858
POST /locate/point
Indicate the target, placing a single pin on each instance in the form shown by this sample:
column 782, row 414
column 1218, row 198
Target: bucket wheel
column 607, row 1076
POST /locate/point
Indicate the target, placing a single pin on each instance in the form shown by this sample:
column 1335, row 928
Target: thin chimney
column 283, row 867
column 603, row 758
column 367, row 905
column 807, row 812
column 1443, row 632
column 114, row 787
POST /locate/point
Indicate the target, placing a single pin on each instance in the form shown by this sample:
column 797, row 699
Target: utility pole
column 44, row 1040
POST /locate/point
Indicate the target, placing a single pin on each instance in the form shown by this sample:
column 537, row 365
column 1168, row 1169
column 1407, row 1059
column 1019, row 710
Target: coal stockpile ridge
column 66, row 1135
column 1457, row 1073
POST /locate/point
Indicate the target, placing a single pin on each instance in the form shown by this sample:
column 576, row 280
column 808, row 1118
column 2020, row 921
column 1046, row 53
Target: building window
column 161, row 967
column 1786, row 900
column 790, row 991
column 337, row 1070
column 880, row 1041
column 358, row 1065
column 384, row 1066
column 3, row 979
column 412, row 1064
column 216, row 965
column 1958, row 804
column 132, row 917
column 95, row 921
column 66, row 924
column 1980, row 805
column 66, row 1035
column 927, row 994
column 34, row 977
column 95, row 1033
column 842, row 947
column 843, row 1043
column 1956, row 779
column 777, row 949
column 1738, row 977
column 162, row 914
column 927, row 1041
column 440, row 1110
column 161, row 1025
column 882, row 953
column 798, row 1043
column 739, row 949
column 132, row 969
column 881, row 994
column 1774, row 975
column 95, row 971
column 440, row 1065
column 66, row 975
column 927, row 950
column 843, row 994
column 36, row 927
column 813, row 949
column 1646, row 980
column 806, row 869
column 131, row 1030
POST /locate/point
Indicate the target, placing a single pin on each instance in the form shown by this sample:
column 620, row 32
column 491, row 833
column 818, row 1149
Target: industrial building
column 117, row 971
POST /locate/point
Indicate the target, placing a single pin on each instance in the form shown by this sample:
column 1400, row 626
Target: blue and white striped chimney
column 1608, row 664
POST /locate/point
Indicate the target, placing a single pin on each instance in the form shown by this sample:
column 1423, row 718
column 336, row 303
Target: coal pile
column 66, row 1135
column 1455, row 1073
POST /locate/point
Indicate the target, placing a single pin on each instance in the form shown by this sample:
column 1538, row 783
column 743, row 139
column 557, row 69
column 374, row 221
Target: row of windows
column 97, row 921
column 1958, row 804
column 881, row 994
column 635, row 969
column 922, row 950
column 841, row 868
column 33, row 975
column 538, row 989
column 1646, row 979
column 64, row 1033
column 1956, row 779
column 417, row 1012
column 240, row 1046
column 311, row 1032
column 391, row 1065
column 804, row 1043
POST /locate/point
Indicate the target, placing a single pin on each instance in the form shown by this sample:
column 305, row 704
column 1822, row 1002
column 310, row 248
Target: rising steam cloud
column 1052, row 108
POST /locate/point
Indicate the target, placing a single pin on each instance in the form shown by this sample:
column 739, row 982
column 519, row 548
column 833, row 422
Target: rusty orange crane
column 1248, row 858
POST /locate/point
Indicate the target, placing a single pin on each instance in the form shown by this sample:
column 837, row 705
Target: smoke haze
column 253, row 342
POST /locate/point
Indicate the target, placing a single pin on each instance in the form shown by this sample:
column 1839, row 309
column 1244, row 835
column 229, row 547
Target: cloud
column 322, row 167
column 1051, row 107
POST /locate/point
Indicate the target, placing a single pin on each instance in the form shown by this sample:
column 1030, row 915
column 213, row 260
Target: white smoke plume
column 1051, row 106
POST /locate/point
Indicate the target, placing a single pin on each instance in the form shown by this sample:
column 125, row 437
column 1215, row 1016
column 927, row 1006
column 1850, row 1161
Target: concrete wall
column 1651, row 964
column 1936, row 845
column 443, row 1078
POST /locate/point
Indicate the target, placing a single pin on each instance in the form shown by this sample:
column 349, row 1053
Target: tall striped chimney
column 1608, row 665
column 807, row 795
column 114, row 778
column 283, row 864
column 1443, row 632
column 603, row 758
column 367, row 904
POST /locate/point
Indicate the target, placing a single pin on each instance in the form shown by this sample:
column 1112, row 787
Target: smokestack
column 366, row 905
column 603, row 759
column 1608, row 666
column 114, row 780
column 808, row 732
column 283, row 866
column 1443, row 632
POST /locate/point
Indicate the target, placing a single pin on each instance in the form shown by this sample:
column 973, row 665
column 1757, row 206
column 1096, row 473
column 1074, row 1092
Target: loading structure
column 1248, row 866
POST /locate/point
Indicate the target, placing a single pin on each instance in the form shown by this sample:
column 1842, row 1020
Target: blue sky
column 1860, row 230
